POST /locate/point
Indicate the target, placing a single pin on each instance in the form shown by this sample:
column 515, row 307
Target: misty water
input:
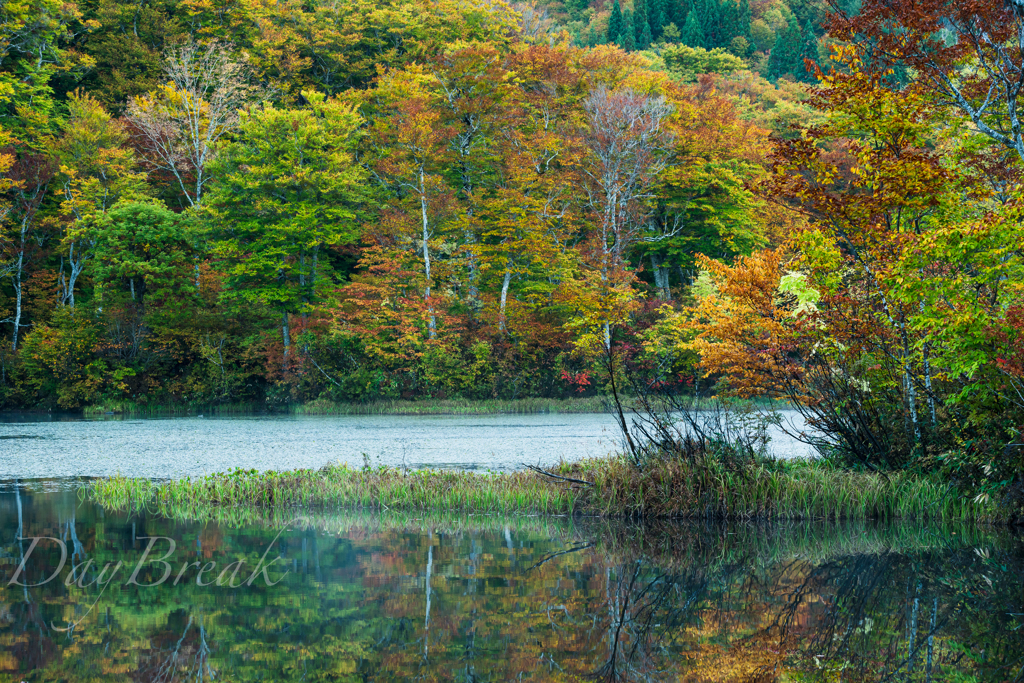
column 348, row 596
column 33, row 446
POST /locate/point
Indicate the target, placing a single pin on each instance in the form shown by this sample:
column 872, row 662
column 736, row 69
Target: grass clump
column 771, row 490
column 768, row 490
column 338, row 486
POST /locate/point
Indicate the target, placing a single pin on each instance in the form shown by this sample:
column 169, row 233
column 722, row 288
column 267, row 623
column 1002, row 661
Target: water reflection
column 371, row 598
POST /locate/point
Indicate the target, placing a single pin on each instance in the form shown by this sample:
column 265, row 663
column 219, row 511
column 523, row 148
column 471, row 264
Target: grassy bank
column 523, row 406
column 128, row 408
column 770, row 491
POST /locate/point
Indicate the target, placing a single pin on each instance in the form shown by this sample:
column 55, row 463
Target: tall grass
column 522, row 406
column 807, row 490
column 125, row 407
column 793, row 490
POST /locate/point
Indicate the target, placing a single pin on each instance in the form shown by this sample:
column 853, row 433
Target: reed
column 805, row 490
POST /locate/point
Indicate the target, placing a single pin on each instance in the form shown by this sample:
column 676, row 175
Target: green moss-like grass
column 802, row 490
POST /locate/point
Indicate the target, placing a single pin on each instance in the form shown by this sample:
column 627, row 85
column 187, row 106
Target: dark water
column 351, row 597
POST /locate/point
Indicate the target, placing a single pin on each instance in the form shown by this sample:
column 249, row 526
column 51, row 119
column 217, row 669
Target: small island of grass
column 607, row 487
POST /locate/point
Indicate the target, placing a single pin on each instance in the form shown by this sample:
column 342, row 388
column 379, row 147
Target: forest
column 257, row 203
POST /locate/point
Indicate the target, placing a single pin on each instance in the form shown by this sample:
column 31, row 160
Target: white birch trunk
column 432, row 322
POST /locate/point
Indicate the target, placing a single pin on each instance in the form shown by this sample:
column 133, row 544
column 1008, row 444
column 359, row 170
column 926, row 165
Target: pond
column 384, row 597
column 45, row 447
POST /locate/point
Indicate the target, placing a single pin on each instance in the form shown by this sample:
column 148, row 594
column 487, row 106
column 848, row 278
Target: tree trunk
column 16, row 282
column 504, row 297
column 928, row 385
column 432, row 322
column 285, row 336
column 913, row 630
column 77, row 264
column 660, row 278
column 931, row 643
column 426, row 618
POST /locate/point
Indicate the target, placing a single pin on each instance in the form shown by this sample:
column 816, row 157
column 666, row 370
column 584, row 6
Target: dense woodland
column 268, row 203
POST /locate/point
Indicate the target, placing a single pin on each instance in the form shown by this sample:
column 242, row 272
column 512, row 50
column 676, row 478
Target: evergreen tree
column 641, row 19
column 656, row 10
column 743, row 19
column 735, row 20
column 676, row 12
column 615, row 23
column 693, row 34
column 786, row 53
column 628, row 40
column 709, row 15
column 646, row 38
column 728, row 19
column 808, row 50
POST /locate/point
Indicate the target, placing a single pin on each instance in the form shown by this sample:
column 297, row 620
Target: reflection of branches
column 186, row 661
column 860, row 621
column 552, row 556
column 651, row 605
column 166, row 670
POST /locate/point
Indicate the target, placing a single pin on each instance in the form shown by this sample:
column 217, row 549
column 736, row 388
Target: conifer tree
column 693, row 34
column 786, row 53
column 641, row 19
column 676, row 12
column 743, row 19
column 628, row 40
column 710, row 19
column 646, row 38
column 808, row 50
column 615, row 23
column 656, row 10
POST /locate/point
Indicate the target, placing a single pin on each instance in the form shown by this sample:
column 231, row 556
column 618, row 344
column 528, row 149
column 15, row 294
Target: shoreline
column 599, row 404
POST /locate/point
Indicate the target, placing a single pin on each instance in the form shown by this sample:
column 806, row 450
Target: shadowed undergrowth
column 798, row 490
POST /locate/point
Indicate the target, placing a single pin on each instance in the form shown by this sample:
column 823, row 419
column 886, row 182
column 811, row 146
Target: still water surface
column 35, row 447
column 366, row 597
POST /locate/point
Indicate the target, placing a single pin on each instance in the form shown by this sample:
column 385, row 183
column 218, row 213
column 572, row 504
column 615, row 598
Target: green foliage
column 693, row 33
column 32, row 51
column 687, row 63
column 59, row 361
column 125, row 43
column 792, row 47
column 615, row 23
column 628, row 37
column 290, row 190
column 142, row 252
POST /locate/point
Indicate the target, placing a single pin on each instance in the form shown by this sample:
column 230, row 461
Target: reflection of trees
column 646, row 606
column 911, row 617
column 187, row 660
column 473, row 602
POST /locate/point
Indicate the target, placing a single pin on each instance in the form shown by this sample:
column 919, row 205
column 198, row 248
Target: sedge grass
column 805, row 490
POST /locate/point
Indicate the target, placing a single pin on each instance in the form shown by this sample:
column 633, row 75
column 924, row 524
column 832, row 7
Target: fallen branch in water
column 556, row 476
